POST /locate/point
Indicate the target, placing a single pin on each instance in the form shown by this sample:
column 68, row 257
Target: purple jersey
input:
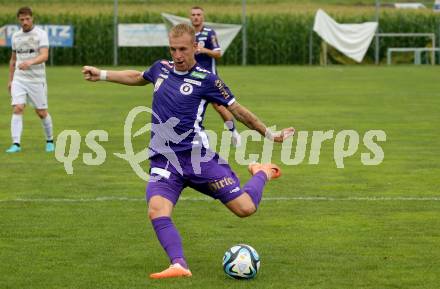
column 179, row 103
column 208, row 39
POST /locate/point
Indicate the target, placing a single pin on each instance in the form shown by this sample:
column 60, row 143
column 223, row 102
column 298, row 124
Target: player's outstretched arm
column 127, row 77
column 250, row 120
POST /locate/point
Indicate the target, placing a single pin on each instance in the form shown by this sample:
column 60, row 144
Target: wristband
column 269, row 135
column 230, row 125
column 272, row 135
column 103, row 75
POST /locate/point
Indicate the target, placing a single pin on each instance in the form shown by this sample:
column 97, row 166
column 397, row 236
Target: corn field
column 272, row 38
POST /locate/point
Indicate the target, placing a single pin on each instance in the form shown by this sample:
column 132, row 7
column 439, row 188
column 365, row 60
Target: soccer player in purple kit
column 182, row 90
column 208, row 51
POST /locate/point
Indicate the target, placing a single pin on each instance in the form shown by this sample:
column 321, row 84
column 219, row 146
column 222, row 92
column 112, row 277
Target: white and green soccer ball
column 241, row 262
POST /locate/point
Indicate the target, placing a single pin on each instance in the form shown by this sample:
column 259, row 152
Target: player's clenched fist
column 91, row 73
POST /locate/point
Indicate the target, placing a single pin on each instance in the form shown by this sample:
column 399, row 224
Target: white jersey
column 27, row 45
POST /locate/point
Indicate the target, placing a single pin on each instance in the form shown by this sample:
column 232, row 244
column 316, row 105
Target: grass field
column 318, row 226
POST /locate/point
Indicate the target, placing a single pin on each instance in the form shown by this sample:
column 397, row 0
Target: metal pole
column 244, row 42
column 115, row 33
column 439, row 41
column 376, row 52
column 311, row 47
column 51, row 55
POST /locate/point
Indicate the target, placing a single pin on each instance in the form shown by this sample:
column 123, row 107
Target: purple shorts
column 170, row 175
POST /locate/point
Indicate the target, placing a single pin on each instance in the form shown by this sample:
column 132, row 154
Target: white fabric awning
column 225, row 32
column 352, row 40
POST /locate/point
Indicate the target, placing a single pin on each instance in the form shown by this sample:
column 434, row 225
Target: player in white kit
column 27, row 78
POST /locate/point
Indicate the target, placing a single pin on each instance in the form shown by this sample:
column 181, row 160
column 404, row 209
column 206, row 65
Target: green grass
column 49, row 240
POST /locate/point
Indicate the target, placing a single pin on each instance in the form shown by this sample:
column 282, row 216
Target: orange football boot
column 272, row 171
column 175, row 270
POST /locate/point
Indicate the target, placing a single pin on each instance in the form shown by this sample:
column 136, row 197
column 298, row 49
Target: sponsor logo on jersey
column 195, row 82
column 234, row 190
column 198, row 75
column 221, row 88
column 186, row 89
column 220, row 184
column 19, row 51
column 204, row 33
column 202, row 40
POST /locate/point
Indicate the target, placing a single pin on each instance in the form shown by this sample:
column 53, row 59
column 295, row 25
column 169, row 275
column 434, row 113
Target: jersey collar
column 201, row 30
column 184, row 72
column 33, row 27
column 179, row 72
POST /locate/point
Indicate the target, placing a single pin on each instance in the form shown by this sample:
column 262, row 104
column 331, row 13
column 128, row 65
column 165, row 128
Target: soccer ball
column 241, row 262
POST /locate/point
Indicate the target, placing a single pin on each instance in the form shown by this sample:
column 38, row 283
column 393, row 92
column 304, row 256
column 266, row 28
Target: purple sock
column 254, row 187
column 170, row 240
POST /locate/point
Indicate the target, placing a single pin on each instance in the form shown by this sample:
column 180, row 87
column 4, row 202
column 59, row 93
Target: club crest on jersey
column 186, row 89
column 31, row 41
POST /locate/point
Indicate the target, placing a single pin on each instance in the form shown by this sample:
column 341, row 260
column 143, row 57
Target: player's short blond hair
column 197, row 8
column 181, row 29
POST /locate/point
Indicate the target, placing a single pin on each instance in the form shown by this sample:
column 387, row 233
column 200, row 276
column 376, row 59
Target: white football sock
column 16, row 127
column 47, row 125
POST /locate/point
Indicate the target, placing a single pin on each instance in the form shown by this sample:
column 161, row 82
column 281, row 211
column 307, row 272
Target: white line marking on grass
column 206, row 199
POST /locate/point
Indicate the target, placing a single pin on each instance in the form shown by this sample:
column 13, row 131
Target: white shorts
column 35, row 93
